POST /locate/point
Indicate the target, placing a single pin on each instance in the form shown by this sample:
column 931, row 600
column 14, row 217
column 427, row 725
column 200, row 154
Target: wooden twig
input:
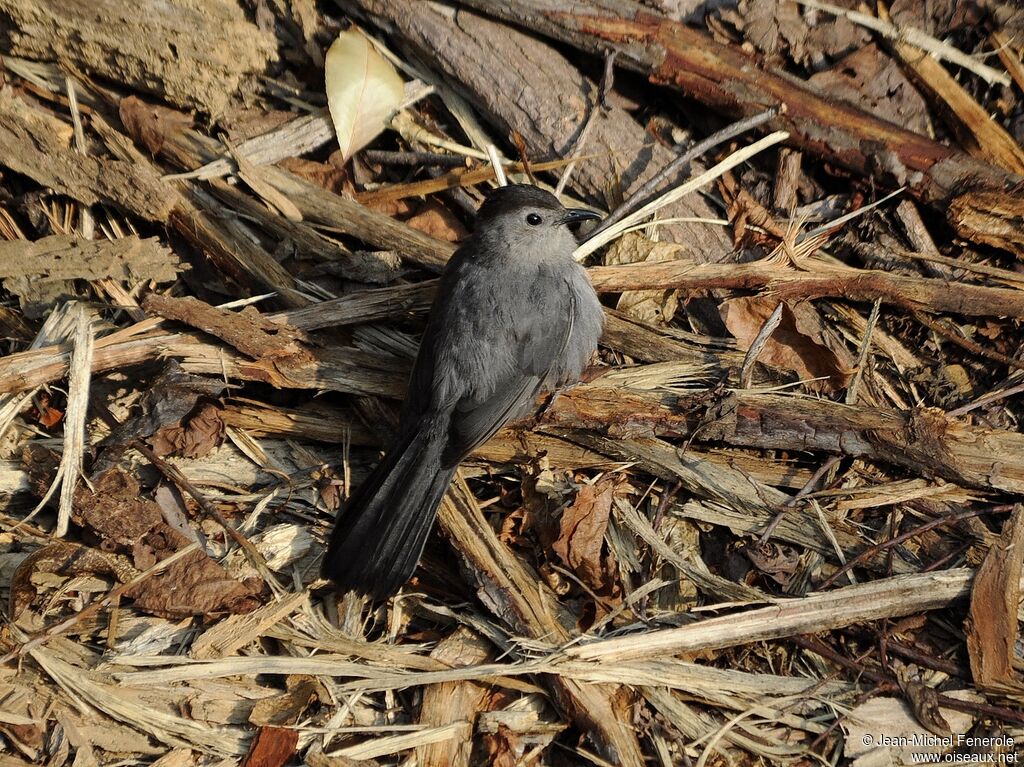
column 895, row 541
column 664, row 177
column 883, row 598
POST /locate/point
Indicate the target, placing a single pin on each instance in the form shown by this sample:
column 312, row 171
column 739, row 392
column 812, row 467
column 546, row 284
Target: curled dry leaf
column 44, row 412
column 796, row 344
column 115, row 510
column 581, row 536
column 778, row 561
column 61, row 558
column 194, row 437
column 924, row 702
column 165, row 407
column 363, row 90
column 194, row 585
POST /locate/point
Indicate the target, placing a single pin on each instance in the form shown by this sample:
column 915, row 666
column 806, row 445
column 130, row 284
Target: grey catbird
column 514, row 316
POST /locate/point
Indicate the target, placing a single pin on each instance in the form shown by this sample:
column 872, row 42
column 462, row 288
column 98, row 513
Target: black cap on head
column 515, row 197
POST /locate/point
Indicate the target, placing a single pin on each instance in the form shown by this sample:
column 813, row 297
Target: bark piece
column 450, row 702
column 60, row 257
column 114, row 510
column 272, row 747
column 37, row 146
column 992, row 630
column 247, row 331
column 194, row 53
column 923, row 440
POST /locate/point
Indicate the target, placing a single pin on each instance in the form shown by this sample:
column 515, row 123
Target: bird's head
column 529, row 220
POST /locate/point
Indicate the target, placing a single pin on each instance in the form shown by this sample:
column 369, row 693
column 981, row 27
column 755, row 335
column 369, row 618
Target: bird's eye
column 533, row 219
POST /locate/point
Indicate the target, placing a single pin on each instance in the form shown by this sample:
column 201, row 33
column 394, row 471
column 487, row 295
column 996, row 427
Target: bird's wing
column 540, row 340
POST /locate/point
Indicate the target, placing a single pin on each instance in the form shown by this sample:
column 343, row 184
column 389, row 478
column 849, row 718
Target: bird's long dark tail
column 380, row 533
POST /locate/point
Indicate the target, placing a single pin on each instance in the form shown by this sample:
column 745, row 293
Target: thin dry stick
column 808, row 488
column 172, row 473
column 878, row 547
column 857, row 667
column 606, row 85
column 87, row 612
column 649, row 189
column 862, row 356
column 966, row 343
column 758, row 344
column 609, row 233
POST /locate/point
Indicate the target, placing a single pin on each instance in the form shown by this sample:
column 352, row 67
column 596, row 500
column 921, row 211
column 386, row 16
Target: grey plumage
column 514, row 316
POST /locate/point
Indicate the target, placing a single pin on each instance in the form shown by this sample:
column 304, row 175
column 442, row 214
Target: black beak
column 575, row 215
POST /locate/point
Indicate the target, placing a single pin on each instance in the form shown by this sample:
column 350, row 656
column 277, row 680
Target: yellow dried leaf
column 363, row 90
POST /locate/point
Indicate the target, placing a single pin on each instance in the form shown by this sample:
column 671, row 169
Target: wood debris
column 780, row 517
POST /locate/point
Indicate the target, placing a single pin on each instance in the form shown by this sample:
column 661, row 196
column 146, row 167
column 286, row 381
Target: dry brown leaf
column 437, row 221
column 114, row 509
column 46, row 415
column 194, row 585
column 581, row 533
column 194, row 437
column 791, row 346
column 173, row 395
column 64, row 559
column 656, row 307
column 332, row 176
column 874, row 82
column 779, row 30
column 151, row 124
column 778, row 561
